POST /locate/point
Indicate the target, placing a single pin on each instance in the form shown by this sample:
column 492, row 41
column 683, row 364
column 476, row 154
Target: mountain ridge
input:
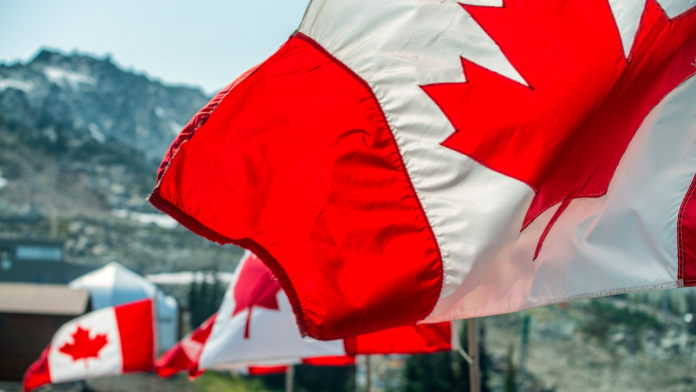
column 96, row 98
column 80, row 143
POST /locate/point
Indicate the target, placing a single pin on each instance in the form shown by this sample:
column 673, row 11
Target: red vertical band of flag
column 196, row 122
column 38, row 373
column 298, row 164
column 135, row 327
column 415, row 339
column 686, row 237
column 172, row 362
column 339, row 360
column 264, row 370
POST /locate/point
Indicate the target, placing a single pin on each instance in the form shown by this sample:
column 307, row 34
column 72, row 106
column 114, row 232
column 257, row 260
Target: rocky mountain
column 80, row 142
column 94, row 99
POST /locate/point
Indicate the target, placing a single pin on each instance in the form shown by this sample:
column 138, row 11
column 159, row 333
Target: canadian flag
column 255, row 331
column 105, row 342
column 425, row 160
column 185, row 355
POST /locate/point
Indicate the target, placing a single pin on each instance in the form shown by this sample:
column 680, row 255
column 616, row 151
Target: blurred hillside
column 631, row 342
column 80, row 142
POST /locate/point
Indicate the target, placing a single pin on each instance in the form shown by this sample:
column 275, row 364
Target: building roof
column 42, row 299
column 114, row 284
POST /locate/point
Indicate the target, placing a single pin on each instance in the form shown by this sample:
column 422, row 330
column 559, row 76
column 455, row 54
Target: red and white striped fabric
column 109, row 341
column 424, row 160
column 255, row 332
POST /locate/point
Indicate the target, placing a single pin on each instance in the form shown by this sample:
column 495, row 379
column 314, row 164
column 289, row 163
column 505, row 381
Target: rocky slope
column 80, row 141
column 635, row 342
column 58, row 94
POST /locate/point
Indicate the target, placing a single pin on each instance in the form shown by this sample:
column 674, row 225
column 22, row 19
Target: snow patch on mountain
column 67, row 78
column 159, row 112
column 175, row 127
column 158, row 219
column 15, row 84
column 95, row 133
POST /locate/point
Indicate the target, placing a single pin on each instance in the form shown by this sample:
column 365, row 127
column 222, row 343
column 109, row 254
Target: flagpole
column 155, row 325
column 523, row 354
column 472, row 337
column 289, row 378
column 368, row 375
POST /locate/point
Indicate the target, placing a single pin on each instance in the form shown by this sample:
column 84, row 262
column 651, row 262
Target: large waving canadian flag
column 105, row 342
column 426, row 160
column 255, row 331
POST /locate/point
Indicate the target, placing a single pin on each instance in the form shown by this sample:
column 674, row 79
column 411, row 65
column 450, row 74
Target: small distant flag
column 255, row 331
column 109, row 341
column 184, row 356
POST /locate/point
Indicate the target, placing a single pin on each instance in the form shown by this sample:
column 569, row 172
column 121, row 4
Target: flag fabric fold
column 110, row 341
column 422, row 161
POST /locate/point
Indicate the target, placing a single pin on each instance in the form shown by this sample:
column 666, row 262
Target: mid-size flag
column 414, row 161
column 109, row 341
column 255, row 331
column 185, row 355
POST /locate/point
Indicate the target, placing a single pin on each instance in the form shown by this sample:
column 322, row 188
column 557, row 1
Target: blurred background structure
column 29, row 316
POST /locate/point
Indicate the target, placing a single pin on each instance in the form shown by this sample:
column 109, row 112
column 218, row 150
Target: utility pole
column 523, row 353
column 472, row 337
column 289, row 378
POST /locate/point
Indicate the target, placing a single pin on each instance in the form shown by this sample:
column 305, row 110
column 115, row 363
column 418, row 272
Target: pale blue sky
column 205, row 43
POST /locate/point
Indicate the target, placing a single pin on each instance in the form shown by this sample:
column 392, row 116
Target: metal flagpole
column 472, row 337
column 523, row 354
column 289, row 378
column 368, row 375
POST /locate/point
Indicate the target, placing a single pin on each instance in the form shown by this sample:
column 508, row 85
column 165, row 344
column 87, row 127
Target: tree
column 193, row 296
column 204, row 299
column 436, row 372
column 510, row 383
column 315, row 379
column 325, row 378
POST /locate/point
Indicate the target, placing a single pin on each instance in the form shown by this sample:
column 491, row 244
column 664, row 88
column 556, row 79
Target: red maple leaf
column 84, row 347
column 565, row 132
column 256, row 286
